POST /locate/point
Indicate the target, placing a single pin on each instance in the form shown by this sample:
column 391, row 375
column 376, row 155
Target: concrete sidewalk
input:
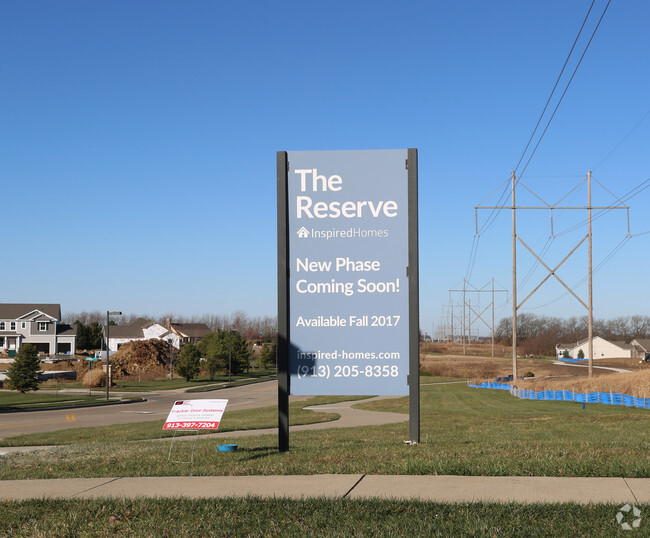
column 428, row 488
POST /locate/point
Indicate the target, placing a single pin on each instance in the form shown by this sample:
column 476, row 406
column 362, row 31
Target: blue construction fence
column 607, row 398
column 574, row 361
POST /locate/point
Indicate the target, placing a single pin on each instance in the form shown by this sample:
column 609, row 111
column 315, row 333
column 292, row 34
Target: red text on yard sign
column 195, row 415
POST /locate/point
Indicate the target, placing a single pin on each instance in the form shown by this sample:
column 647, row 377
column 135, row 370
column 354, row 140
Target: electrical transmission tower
column 468, row 292
column 552, row 271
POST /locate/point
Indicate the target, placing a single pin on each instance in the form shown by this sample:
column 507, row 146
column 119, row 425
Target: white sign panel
column 348, row 275
column 195, row 415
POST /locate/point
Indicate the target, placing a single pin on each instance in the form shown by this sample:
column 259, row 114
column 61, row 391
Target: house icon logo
column 303, row 233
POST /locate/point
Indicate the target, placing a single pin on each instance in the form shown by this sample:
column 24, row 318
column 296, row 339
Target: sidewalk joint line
column 354, row 486
column 95, row 487
column 636, row 501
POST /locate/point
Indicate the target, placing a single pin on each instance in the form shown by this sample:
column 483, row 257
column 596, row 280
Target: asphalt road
column 157, row 406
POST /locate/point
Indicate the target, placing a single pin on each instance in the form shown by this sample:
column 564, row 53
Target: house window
column 42, row 325
column 23, row 325
column 12, row 326
column 2, row 325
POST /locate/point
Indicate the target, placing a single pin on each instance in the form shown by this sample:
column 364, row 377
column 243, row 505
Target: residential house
column 603, row 349
column 36, row 324
column 188, row 333
column 139, row 329
column 641, row 347
column 560, row 350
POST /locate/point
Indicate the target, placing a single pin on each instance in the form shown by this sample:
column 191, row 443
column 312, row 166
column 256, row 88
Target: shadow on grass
column 259, row 452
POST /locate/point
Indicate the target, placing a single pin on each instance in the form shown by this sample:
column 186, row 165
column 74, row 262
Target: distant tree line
column 251, row 328
column 89, row 336
column 539, row 334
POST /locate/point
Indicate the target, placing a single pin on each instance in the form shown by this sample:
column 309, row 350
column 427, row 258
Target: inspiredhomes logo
column 347, row 233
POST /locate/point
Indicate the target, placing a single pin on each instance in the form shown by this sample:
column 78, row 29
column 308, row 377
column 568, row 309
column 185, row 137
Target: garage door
column 42, row 347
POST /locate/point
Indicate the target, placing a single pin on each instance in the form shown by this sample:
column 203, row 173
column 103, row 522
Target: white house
column 603, row 349
column 139, row 329
column 188, row 333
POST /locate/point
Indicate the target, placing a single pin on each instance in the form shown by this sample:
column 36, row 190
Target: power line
column 621, row 202
column 492, row 217
column 623, row 139
column 567, row 85
column 557, row 81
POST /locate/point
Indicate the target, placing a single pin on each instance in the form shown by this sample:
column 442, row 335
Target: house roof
column 19, row 310
column 191, row 330
column 66, row 330
column 643, row 343
column 132, row 330
column 135, row 329
column 620, row 343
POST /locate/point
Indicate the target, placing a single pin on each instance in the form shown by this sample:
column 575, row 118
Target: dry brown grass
column 548, row 376
column 633, row 384
column 465, row 367
column 480, row 368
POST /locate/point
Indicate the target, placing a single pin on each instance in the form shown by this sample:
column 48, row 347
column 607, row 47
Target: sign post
column 90, row 380
column 348, row 276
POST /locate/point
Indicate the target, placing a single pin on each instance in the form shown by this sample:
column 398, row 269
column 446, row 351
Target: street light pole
column 108, row 350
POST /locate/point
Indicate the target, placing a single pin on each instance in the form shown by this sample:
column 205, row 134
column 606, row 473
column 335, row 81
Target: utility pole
column 514, row 280
column 452, row 321
column 552, row 272
column 493, row 317
column 464, row 325
column 591, row 289
column 477, row 312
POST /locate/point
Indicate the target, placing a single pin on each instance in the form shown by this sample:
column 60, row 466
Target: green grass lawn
column 312, row 517
column 464, row 432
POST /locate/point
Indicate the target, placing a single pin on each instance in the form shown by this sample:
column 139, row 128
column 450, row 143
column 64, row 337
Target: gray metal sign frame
column 283, row 266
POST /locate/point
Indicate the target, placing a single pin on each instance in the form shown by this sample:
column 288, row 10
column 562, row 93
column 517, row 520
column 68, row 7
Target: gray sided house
column 36, row 324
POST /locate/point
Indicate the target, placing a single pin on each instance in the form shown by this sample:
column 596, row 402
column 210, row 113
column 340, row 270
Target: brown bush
column 98, row 378
column 471, row 348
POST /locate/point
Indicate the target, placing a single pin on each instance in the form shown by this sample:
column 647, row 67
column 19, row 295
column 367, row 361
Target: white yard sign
column 195, row 415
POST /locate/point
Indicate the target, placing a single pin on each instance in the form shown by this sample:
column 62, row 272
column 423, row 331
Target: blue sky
column 139, row 139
